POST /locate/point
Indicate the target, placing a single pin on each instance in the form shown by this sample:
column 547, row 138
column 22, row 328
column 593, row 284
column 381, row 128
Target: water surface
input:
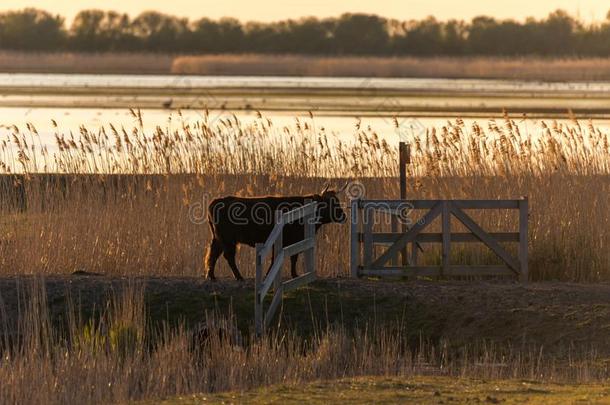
column 244, row 82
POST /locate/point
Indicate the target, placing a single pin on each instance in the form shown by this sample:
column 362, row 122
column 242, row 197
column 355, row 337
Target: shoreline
column 357, row 101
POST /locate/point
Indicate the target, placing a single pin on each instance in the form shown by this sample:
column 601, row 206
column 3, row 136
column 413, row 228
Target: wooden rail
column 274, row 243
column 364, row 239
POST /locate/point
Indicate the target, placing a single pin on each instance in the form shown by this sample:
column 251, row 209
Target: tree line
column 559, row 34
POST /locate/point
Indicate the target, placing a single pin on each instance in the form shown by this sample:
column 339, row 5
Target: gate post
column 367, row 249
column 354, row 239
column 258, row 301
column 404, row 158
column 523, row 239
column 278, row 246
column 446, row 237
column 309, row 223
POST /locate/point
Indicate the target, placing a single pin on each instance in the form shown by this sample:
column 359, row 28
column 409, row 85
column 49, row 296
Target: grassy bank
column 94, row 339
column 418, row 389
column 561, row 319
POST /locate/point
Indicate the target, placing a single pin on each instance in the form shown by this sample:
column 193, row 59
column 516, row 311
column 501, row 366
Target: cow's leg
column 229, row 254
column 214, row 252
column 293, row 265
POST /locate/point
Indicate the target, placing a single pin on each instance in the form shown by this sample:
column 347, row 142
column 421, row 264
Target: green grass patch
column 421, row 390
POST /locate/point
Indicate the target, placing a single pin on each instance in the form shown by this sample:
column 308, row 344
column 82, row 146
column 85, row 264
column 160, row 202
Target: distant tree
column 159, row 32
column 31, row 30
column 455, row 34
column 421, row 38
column 209, row 36
column 559, row 28
column 594, row 41
column 310, row 35
column 262, row 37
column 205, row 36
column 351, row 34
column 490, row 37
column 482, row 36
column 232, row 34
column 96, row 30
column 361, row 34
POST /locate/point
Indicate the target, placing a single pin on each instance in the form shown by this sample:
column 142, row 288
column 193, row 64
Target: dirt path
column 559, row 316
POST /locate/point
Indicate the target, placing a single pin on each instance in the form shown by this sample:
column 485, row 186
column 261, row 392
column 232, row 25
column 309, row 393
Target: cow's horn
column 344, row 187
column 325, row 188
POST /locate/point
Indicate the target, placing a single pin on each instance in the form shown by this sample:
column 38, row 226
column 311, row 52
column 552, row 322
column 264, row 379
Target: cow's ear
column 325, row 188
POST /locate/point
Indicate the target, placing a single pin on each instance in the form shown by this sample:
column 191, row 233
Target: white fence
column 274, row 243
column 364, row 240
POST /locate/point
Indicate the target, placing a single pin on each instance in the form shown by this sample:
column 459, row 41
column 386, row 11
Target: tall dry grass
column 118, row 356
column 71, row 62
column 125, row 201
column 130, row 202
column 522, row 68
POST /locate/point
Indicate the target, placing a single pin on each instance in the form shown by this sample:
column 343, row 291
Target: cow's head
column 329, row 207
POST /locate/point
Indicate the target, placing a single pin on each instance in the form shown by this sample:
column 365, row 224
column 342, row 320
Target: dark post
column 523, row 238
column 258, row 301
column 404, row 152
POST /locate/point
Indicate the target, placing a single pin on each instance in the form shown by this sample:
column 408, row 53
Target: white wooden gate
column 306, row 214
column 364, row 239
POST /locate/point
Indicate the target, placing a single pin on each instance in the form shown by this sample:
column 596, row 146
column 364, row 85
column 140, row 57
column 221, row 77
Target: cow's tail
column 215, row 248
column 213, row 216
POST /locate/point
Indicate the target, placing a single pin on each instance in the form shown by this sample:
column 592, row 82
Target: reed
column 125, row 201
column 472, row 67
column 88, row 63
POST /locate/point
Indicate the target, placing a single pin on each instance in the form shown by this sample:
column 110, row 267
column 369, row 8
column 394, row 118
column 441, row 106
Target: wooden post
column 394, row 229
column 404, row 152
column 404, row 157
column 354, row 241
column 446, row 219
column 310, row 233
column 523, row 239
column 258, row 301
column 277, row 248
column 368, row 233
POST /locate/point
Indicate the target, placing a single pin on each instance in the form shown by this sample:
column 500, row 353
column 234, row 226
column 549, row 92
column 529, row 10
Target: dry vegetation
column 144, row 193
column 69, row 62
column 126, row 202
column 118, row 356
column 524, row 68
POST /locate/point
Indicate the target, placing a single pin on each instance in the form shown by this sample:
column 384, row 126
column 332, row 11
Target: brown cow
column 237, row 220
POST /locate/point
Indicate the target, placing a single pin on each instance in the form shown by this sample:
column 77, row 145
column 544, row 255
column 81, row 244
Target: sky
column 272, row 10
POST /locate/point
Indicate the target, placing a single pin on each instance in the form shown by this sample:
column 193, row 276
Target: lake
column 337, row 104
column 242, row 82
